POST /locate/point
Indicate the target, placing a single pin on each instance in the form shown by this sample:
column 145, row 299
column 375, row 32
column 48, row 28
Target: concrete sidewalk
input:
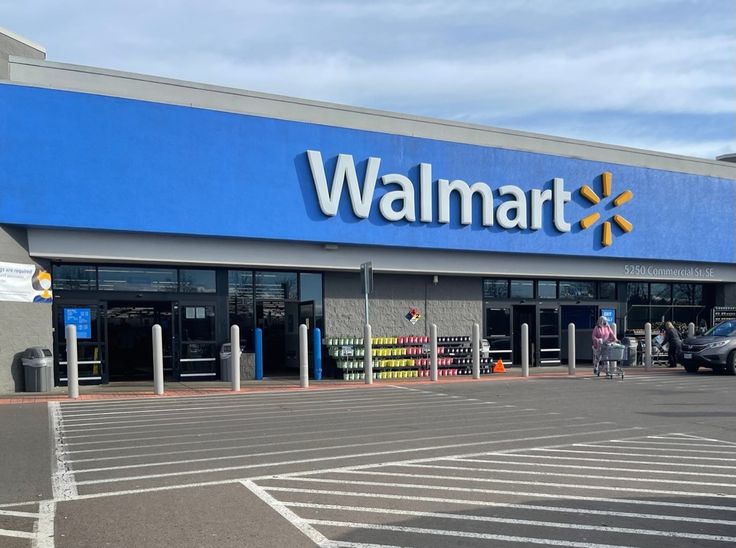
column 144, row 389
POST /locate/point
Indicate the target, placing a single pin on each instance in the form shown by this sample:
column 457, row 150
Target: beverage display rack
column 404, row 357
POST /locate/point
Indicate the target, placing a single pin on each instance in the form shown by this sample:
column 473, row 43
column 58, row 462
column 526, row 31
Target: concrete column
column 476, row 351
column 158, row 361
column 647, row 346
column 571, row 349
column 303, row 357
column 72, row 365
column 524, row 350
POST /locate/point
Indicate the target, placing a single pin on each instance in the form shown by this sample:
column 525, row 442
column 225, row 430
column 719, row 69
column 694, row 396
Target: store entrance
column 130, row 340
column 525, row 314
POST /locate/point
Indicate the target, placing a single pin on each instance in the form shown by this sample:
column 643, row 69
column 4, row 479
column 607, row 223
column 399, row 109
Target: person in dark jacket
column 674, row 348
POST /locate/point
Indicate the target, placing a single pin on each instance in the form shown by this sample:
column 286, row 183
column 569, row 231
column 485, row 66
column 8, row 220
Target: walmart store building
column 193, row 206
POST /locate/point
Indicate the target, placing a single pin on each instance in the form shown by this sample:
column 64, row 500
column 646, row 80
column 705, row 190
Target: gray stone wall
column 21, row 324
column 454, row 303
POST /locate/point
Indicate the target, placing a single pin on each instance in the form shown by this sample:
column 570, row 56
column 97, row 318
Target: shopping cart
column 611, row 357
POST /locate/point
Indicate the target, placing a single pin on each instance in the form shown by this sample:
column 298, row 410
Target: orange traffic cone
column 499, row 368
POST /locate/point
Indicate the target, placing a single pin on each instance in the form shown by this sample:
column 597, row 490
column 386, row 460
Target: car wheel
column 731, row 364
column 691, row 367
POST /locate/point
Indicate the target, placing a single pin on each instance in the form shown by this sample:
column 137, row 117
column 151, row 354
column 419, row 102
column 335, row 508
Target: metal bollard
column 368, row 354
column 259, row 354
column 647, row 346
column 317, row 351
column 524, row 350
column 72, row 366
column 303, row 357
column 691, row 329
column 433, row 352
column 158, row 361
column 235, row 357
column 476, row 351
column 571, row 349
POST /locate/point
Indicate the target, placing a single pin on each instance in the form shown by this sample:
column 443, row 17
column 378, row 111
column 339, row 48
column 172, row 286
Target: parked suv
column 716, row 349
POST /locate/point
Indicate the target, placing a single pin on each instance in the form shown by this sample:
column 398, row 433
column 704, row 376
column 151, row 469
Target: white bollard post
column 72, row 366
column 158, row 361
column 235, row 358
column 303, row 357
column 367, row 355
column 524, row 350
column 433, row 352
column 647, row 346
column 476, row 351
column 571, row 349
column 691, row 329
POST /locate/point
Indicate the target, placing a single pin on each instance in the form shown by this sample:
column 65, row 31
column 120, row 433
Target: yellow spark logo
column 590, row 195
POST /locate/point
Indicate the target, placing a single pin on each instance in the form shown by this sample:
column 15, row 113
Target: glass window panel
column 276, row 285
column 241, row 305
column 522, row 289
column 698, row 294
column 547, row 289
column 498, row 322
column 197, row 323
column 577, row 290
column 310, row 286
column 548, row 321
column 661, row 294
column 638, row 315
column 113, row 278
column 197, row 281
column 660, row 314
column 637, row 293
column 607, row 291
column 682, row 293
column 74, row 277
column 495, row 289
column 584, row 317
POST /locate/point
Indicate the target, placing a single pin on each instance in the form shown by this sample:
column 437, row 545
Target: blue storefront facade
column 148, row 206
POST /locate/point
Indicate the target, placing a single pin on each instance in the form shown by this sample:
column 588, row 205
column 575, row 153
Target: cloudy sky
column 654, row 74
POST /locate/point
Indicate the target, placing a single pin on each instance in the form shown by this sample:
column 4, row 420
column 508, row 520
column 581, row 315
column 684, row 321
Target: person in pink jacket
column 602, row 333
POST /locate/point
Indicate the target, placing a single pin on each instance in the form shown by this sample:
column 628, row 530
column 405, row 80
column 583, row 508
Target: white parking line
column 603, row 465
column 614, row 446
column 288, row 515
column 250, row 417
column 509, row 470
column 44, row 527
column 459, row 534
column 62, row 478
column 607, row 461
column 510, row 505
column 336, row 457
column 548, row 484
column 668, row 458
column 17, row 514
column 512, row 521
column 16, row 534
column 532, row 494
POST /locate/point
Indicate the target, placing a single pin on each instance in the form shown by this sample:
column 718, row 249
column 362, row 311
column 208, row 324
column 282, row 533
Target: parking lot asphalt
column 569, row 461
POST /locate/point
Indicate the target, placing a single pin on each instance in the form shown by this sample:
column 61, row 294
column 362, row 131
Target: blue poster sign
column 80, row 317
column 609, row 314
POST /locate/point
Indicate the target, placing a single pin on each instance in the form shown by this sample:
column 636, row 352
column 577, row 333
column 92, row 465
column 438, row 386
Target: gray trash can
column 225, row 357
column 631, row 348
column 38, row 369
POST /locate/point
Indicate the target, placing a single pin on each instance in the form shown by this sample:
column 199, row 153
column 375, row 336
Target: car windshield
column 725, row 329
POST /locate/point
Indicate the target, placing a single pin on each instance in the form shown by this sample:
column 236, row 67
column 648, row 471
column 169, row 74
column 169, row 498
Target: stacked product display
column 404, row 357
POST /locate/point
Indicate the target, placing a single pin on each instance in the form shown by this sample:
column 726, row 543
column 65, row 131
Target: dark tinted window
column 522, row 289
column 276, row 285
column 495, row 289
column 637, row 293
column 113, row 278
column 607, row 291
column 197, row 281
column 547, row 289
column 579, row 291
column 74, row 277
